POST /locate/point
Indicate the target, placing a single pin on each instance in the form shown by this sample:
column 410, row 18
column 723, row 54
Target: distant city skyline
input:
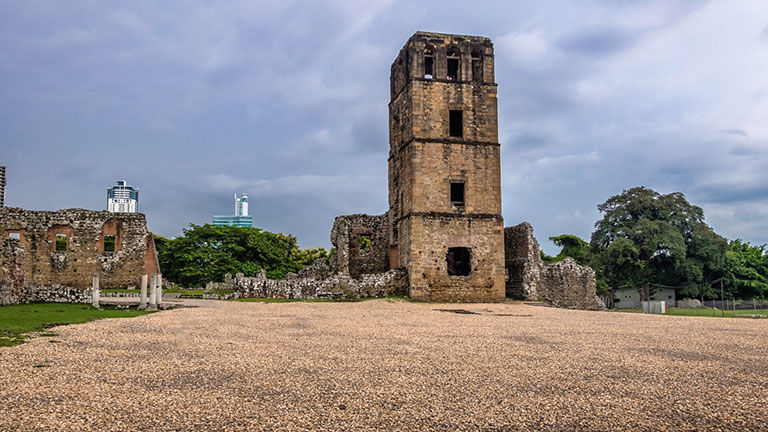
column 288, row 100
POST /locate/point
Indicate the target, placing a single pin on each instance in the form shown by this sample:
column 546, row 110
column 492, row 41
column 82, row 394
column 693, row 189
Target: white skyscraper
column 240, row 218
column 241, row 205
column 122, row 198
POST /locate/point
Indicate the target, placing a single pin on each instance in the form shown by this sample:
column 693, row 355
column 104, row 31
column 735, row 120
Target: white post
column 159, row 288
column 95, row 294
column 143, row 303
column 152, row 294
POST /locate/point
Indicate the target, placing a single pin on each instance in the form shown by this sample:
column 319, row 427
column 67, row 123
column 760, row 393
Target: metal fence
column 751, row 304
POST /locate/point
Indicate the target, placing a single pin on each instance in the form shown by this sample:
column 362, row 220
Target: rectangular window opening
column 457, row 194
column 453, row 69
column 458, row 261
column 14, row 235
column 61, row 242
column 428, row 66
column 109, row 243
column 365, row 243
column 456, row 123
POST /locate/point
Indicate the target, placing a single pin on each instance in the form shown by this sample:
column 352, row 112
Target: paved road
column 389, row 365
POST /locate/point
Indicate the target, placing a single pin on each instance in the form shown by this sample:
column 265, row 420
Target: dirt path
column 390, row 365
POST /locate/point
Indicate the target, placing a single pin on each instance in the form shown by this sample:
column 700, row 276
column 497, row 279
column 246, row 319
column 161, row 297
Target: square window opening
column 365, row 243
column 458, row 261
column 456, row 123
column 61, row 242
column 457, row 194
column 109, row 243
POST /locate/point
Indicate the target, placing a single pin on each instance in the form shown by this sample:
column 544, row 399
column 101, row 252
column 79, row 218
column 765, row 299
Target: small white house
column 629, row 298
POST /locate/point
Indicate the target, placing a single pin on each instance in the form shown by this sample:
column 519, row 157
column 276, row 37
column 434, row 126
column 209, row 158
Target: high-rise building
column 240, row 218
column 122, row 198
column 2, row 186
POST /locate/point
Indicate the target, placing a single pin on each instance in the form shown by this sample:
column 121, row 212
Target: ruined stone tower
column 446, row 227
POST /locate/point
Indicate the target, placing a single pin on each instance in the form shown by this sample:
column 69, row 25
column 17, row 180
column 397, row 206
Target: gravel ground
column 390, row 365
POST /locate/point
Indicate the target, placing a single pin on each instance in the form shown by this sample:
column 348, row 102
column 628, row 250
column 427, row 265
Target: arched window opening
column 429, row 62
column 453, row 57
column 477, row 66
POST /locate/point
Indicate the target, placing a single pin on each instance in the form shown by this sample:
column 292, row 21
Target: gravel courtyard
column 389, row 365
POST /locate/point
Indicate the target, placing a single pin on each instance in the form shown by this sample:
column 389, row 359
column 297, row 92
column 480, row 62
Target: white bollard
column 152, row 294
column 95, row 293
column 159, row 289
column 143, row 298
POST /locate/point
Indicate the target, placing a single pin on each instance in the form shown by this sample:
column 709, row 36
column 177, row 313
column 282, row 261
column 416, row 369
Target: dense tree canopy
column 206, row 253
column 648, row 238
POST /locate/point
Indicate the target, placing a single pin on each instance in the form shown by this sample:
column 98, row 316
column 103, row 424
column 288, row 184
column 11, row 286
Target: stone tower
column 446, row 227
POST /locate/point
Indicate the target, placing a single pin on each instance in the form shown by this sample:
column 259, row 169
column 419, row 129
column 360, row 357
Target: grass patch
column 709, row 312
column 703, row 312
column 17, row 321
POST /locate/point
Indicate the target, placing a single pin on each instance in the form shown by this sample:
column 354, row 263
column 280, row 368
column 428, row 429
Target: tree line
column 206, row 253
column 645, row 238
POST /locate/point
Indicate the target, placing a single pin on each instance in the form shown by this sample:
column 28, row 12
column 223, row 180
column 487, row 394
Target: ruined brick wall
column 351, row 255
column 565, row 283
column 84, row 251
column 426, row 157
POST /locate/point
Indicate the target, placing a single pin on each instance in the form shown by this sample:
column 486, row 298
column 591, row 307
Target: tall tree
column 646, row 237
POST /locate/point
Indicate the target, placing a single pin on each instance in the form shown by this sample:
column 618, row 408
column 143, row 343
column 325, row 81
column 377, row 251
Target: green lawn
column 709, row 312
column 703, row 312
column 18, row 320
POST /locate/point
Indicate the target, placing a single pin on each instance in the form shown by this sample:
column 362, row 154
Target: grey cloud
column 597, row 42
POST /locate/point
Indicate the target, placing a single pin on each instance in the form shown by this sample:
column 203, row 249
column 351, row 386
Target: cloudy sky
column 192, row 101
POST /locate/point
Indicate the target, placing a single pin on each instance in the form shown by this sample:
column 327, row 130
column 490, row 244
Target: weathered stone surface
column 316, row 281
column 564, row 284
column 346, row 236
column 33, row 268
column 689, row 303
column 426, row 157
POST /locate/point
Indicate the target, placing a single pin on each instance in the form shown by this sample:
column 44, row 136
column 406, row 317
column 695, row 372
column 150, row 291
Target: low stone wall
column 316, row 281
column 44, row 294
column 564, row 284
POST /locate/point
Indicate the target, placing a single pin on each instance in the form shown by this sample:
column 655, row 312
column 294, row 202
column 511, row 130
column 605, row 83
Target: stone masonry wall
column 317, row 281
column 565, row 283
column 443, row 131
column 34, row 270
column 346, row 237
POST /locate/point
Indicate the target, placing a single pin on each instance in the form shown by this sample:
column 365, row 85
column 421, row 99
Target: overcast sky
column 192, row 101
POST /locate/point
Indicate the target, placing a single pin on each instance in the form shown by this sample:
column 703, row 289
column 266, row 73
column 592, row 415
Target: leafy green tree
column 746, row 273
column 645, row 237
column 206, row 253
column 574, row 247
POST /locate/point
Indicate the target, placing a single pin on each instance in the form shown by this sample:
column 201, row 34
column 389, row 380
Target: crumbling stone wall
column 317, row 281
column 34, row 270
column 565, row 283
column 351, row 257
